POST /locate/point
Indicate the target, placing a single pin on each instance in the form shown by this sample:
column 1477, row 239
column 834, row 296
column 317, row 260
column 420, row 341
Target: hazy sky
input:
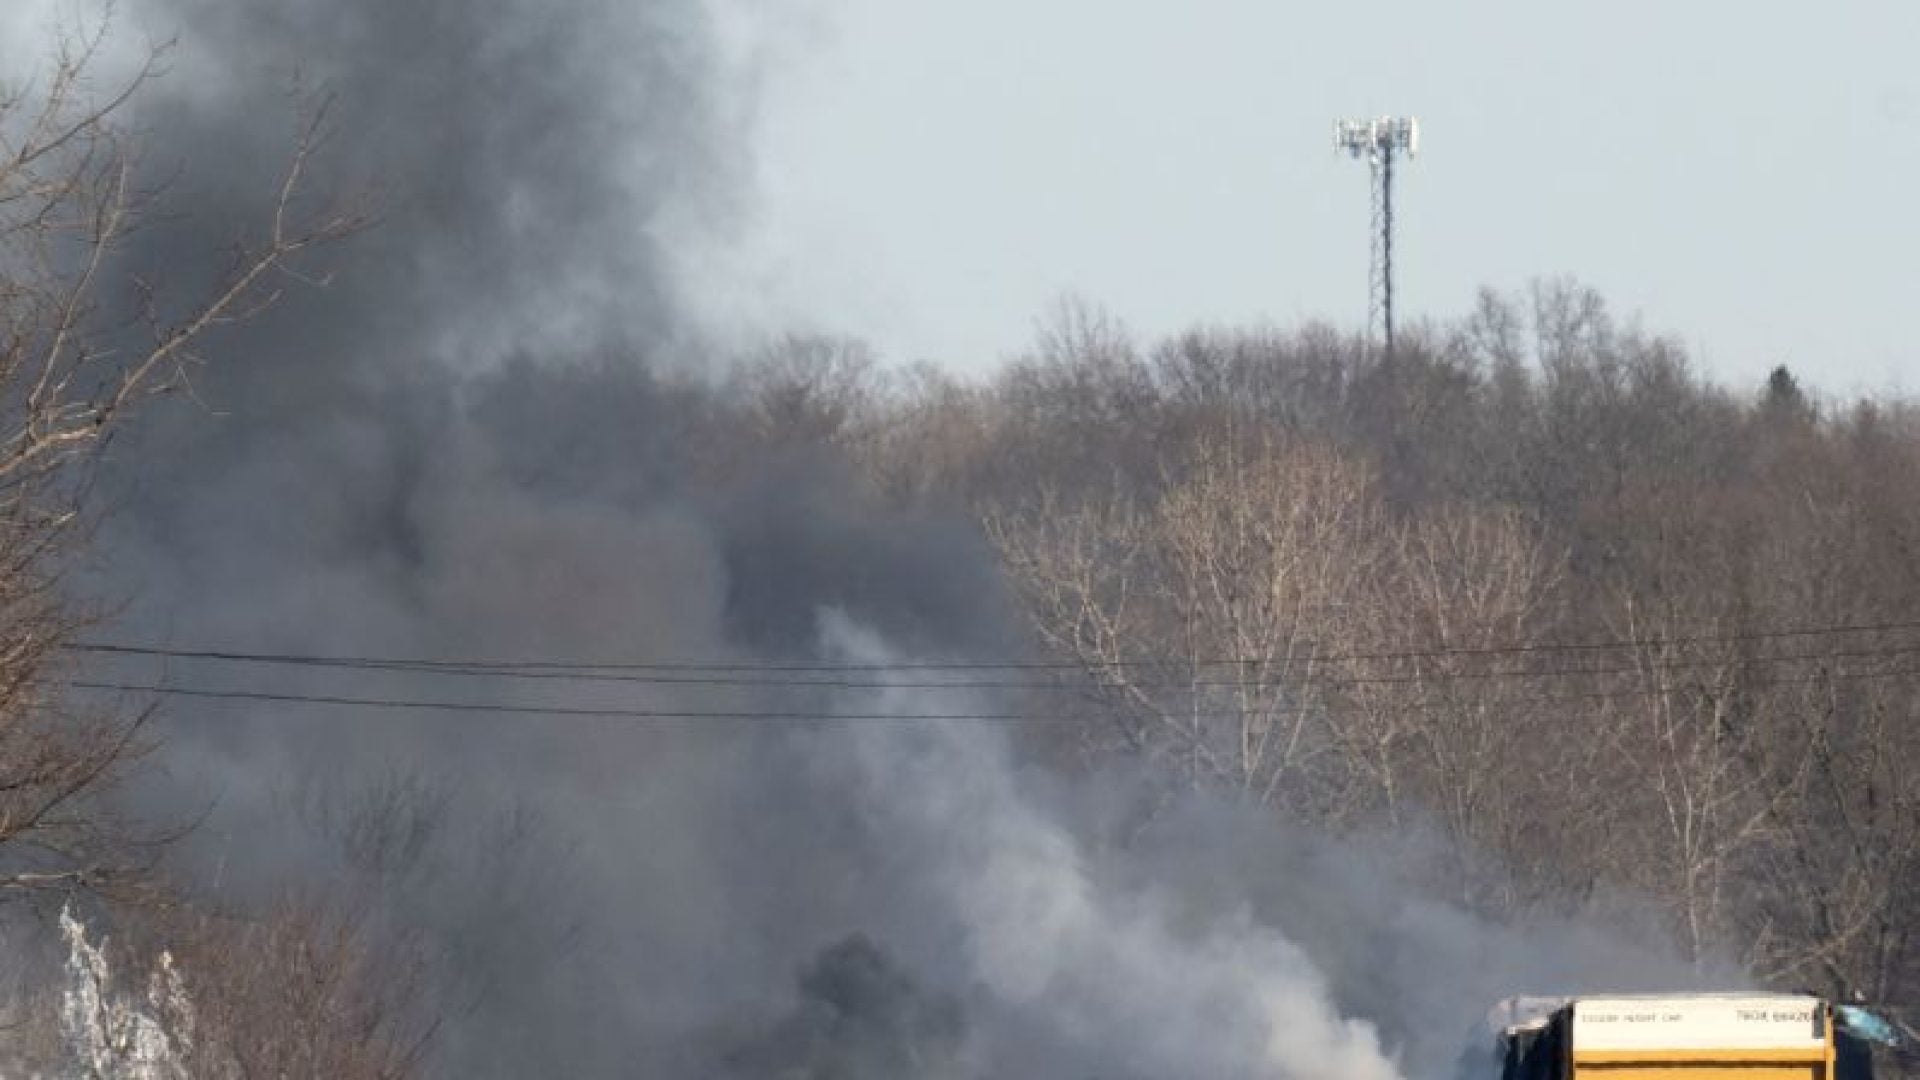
column 934, row 174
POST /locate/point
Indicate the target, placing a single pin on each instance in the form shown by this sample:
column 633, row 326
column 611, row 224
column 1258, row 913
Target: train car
column 1731, row 1036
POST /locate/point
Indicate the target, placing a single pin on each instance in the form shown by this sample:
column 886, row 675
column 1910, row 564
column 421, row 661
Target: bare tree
column 299, row 991
column 810, row 389
column 934, row 438
column 1202, row 619
column 1830, row 902
column 180, row 993
column 81, row 345
column 1696, row 809
column 1451, row 730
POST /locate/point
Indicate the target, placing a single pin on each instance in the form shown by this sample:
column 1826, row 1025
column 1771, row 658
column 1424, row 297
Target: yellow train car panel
column 1734, row 1036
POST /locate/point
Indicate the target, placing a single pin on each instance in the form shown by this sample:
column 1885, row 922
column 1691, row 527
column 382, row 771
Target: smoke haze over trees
column 1356, row 691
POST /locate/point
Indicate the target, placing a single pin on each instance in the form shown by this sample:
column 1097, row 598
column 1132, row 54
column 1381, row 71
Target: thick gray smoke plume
column 464, row 447
column 858, row 1015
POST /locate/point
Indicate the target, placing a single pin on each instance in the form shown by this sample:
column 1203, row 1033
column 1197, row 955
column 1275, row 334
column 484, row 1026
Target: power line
column 755, row 680
column 796, row 716
column 605, row 713
column 718, row 668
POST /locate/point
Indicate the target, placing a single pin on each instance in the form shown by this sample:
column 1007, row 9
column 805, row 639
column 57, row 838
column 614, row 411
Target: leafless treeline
column 1529, row 584
column 1345, row 586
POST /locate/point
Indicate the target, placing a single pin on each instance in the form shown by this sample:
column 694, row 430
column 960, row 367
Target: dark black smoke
column 859, row 1017
column 489, row 437
column 482, row 438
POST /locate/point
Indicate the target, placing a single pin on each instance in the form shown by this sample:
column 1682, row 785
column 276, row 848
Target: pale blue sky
column 933, row 174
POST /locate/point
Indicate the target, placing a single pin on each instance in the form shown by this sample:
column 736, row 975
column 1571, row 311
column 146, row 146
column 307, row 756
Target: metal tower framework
column 1379, row 140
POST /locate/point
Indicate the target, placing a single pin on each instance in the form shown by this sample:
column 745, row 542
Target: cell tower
column 1379, row 140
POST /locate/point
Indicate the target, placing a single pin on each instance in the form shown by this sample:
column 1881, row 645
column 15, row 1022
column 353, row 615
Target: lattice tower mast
column 1379, row 140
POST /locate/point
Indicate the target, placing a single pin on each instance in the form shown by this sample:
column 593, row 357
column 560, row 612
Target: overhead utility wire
column 795, row 716
column 506, row 666
column 749, row 680
column 608, row 712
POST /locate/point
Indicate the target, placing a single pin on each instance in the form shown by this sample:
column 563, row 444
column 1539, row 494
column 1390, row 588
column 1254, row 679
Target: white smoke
column 1104, row 966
